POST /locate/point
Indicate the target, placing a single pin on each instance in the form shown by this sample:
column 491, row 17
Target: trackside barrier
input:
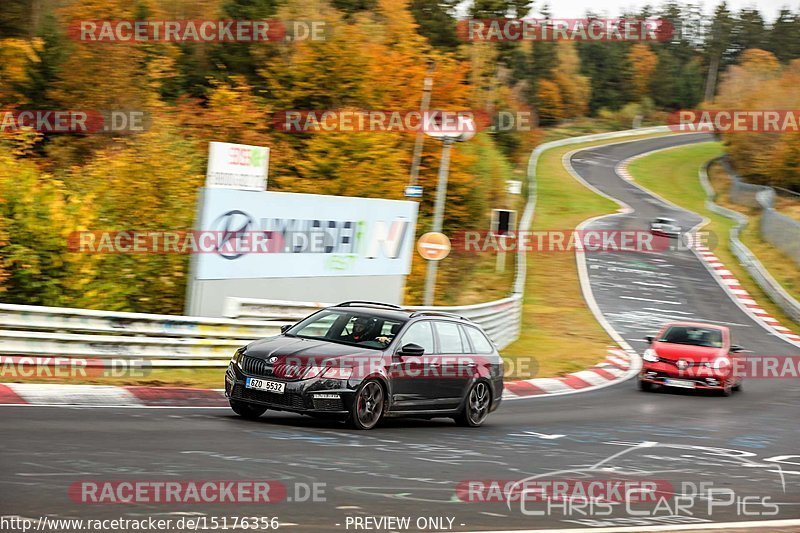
column 748, row 260
column 178, row 341
column 781, row 231
column 67, row 332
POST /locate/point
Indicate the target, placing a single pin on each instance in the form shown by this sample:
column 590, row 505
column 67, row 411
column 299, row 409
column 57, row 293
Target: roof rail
column 438, row 313
column 368, row 303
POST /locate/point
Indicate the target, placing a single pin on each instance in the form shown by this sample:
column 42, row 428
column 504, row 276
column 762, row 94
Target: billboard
column 237, row 166
column 289, row 235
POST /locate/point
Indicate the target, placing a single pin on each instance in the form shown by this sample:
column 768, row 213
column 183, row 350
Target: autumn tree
column 643, row 63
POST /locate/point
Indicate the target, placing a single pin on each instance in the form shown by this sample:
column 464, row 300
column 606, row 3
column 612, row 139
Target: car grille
column 289, row 399
column 690, row 364
column 255, row 366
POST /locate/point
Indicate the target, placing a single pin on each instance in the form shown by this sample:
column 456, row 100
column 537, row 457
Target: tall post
column 426, row 100
column 438, row 216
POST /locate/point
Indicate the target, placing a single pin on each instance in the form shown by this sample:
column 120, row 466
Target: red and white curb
column 58, row 395
column 740, row 294
column 617, row 366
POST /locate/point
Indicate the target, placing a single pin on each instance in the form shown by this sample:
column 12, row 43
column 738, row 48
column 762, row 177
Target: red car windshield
column 693, row 336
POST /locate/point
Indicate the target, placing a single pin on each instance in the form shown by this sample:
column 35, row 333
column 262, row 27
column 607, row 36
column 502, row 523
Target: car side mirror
column 285, row 328
column 411, row 349
column 650, row 339
column 736, row 348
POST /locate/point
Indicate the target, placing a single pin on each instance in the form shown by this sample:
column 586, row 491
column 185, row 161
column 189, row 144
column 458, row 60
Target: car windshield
column 664, row 221
column 348, row 327
column 694, row 336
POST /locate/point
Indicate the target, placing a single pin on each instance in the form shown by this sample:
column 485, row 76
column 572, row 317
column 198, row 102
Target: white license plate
column 683, row 383
column 262, row 384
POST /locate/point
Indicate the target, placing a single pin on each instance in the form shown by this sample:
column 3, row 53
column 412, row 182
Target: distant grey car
column 667, row 227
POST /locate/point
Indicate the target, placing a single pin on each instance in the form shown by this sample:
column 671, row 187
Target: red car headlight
column 650, row 356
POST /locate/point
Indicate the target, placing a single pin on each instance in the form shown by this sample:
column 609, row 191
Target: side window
column 421, row 334
column 320, row 326
column 449, row 338
column 479, row 340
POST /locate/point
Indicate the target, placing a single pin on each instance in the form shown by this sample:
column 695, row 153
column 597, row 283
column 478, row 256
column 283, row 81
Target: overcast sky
column 578, row 8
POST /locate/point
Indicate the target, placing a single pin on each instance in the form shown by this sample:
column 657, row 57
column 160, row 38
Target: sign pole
column 438, row 217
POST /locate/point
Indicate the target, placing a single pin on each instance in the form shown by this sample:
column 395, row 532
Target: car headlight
column 330, row 372
column 338, row 373
column 650, row 356
column 237, row 356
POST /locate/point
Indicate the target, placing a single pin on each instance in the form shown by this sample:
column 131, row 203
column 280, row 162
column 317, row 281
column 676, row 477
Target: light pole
column 438, row 216
column 448, row 139
column 426, row 100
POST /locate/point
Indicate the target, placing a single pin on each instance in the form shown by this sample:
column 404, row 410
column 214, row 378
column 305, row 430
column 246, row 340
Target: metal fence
column 747, row 192
column 776, row 228
column 66, row 332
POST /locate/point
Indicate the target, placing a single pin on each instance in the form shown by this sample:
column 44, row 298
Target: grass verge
column 673, row 174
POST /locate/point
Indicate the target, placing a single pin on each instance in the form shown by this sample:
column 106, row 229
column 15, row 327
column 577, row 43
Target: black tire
column 368, row 405
column 246, row 410
column 476, row 406
column 645, row 386
column 726, row 391
column 737, row 387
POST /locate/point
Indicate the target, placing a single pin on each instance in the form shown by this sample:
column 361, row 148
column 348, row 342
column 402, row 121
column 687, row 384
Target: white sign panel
column 237, row 166
column 278, row 235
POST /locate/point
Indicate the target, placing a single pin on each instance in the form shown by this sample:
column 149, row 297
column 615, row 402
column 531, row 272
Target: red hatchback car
column 690, row 355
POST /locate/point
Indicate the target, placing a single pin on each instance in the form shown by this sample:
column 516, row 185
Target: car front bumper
column 702, row 378
column 307, row 396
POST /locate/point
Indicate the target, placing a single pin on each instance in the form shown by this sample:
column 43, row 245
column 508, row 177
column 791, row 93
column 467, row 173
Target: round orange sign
column 433, row 246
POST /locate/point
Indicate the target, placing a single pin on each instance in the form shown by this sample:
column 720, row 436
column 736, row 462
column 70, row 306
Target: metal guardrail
column 776, row 228
column 748, row 260
column 61, row 331
column 170, row 341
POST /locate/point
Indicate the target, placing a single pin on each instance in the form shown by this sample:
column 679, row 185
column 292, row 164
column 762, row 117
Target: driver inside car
column 362, row 332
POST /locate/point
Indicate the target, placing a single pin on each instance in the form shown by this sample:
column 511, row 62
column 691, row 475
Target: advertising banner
column 237, row 166
column 289, row 235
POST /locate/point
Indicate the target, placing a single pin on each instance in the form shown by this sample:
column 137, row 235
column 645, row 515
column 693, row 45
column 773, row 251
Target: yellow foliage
column 759, row 83
column 15, row 54
column 643, row 63
column 551, row 106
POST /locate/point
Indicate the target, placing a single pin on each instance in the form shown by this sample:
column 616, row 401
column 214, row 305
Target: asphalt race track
column 747, row 443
